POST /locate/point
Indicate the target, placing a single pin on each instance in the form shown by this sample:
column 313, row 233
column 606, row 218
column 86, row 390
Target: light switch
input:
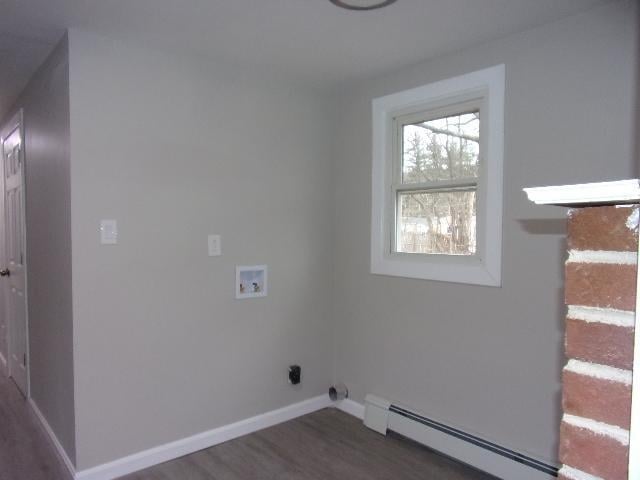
column 215, row 247
column 108, row 232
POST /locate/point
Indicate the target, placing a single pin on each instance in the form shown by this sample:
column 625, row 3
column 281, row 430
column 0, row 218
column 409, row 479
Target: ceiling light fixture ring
column 362, row 4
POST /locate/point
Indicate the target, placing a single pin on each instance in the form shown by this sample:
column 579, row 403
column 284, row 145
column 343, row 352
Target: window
column 436, row 163
column 437, row 180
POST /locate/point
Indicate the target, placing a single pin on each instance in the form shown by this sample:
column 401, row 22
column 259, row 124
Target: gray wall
column 176, row 148
column 487, row 359
column 45, row 101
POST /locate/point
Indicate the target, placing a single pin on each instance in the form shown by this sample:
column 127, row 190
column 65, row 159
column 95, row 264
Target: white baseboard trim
column 352, row 408
column 54, row 439
column 185, row 446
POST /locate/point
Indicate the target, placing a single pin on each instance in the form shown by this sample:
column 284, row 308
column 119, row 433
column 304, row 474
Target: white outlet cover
column 108, row 232
column 215, row 245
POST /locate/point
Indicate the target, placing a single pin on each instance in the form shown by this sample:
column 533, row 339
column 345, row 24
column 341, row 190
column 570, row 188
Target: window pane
column 437, row 222
column 442, row 149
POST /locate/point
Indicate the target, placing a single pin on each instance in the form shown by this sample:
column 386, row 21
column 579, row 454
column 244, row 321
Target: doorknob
column 5, row 272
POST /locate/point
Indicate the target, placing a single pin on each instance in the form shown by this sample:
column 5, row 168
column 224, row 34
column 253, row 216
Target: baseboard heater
column 381, row 415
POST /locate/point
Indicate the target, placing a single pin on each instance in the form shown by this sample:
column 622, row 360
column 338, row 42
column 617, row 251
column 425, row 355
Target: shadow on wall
column 562, row 312
column 554, row 226
column 544, row 226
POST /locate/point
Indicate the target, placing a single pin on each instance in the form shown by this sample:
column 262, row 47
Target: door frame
column 4, row 366
column 16, row 121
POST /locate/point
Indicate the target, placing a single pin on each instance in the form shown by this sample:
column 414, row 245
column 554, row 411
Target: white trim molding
column 354, row 409
column 54, row 439
column 486, row 86
column 200, row 441
column 621, row 191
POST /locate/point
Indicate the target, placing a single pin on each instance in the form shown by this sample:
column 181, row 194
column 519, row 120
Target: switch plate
column 108, row 232
column 215, row 246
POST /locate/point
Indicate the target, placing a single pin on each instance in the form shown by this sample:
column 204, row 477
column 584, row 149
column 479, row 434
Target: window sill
column 473, row 271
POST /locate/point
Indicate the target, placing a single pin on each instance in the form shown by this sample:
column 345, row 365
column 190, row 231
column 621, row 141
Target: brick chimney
column 600, row 292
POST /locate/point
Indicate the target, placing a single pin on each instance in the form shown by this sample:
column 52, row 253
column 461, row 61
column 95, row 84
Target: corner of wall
column 45, row 103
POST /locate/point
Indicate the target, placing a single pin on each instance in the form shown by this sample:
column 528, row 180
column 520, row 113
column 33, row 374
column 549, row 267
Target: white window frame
column 485, row 88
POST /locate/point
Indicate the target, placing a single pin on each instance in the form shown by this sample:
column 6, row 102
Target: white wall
column 45, row 102
column 486, row 359
column 175, row 148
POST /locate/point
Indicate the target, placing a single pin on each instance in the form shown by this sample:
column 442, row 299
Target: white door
column 13, row 271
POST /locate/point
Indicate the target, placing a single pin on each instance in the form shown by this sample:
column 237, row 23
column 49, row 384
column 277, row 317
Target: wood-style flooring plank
column 325, row 445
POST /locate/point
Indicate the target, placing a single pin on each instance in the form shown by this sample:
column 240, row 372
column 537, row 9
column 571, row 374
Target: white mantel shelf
column 602, row 193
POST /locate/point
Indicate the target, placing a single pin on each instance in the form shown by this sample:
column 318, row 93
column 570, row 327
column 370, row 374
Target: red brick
column 598, row 455
column 598, row 399
column 602, row 228
column 599, row 343
column 601, row 285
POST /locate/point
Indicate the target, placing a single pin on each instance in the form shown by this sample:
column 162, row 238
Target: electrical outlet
column 295, row 374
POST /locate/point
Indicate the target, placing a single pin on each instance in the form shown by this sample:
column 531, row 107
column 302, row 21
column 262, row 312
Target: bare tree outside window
column 436, row 200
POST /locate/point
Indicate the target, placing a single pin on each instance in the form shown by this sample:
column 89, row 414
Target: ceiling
column 311, row 40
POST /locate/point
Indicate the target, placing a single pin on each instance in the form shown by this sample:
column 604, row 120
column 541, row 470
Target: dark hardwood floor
column 324, row 445
column 25, row 450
